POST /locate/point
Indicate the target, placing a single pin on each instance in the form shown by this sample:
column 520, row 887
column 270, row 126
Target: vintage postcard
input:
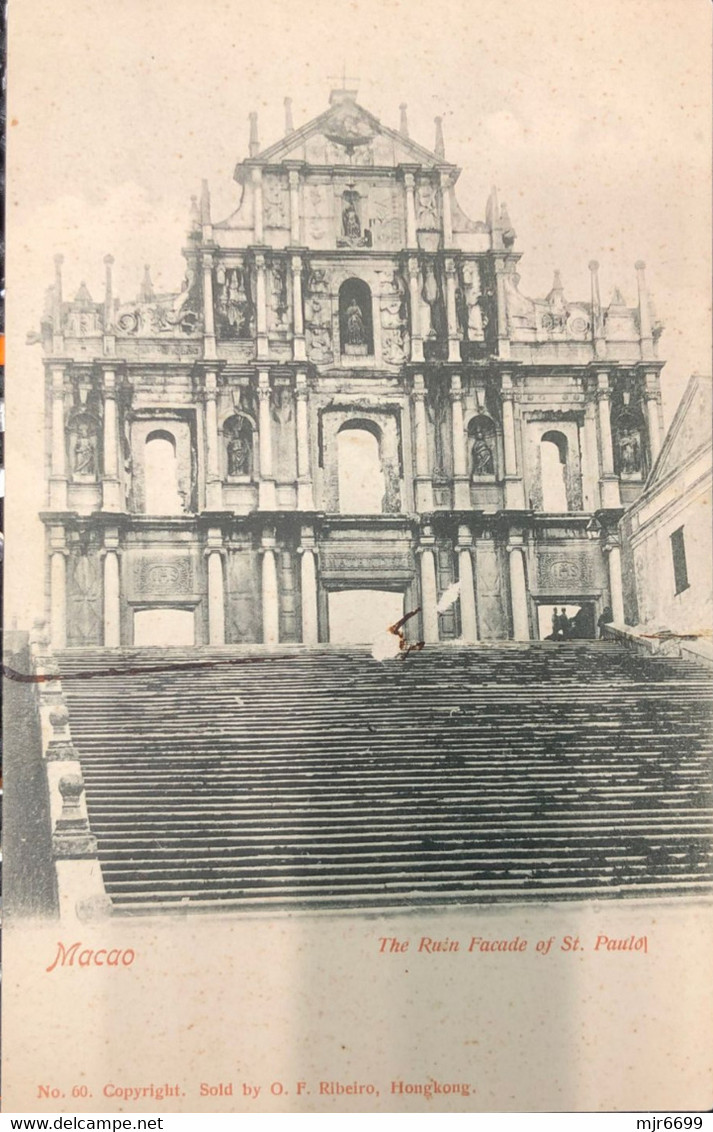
column 358, row 661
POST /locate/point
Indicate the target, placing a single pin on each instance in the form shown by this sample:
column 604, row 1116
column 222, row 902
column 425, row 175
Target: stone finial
column 254, row 147
column 83, row 296
column 205, row 202
column 289, row 125
column 108, row 290
column 194, row 221
column 440, row 147
column 403, row 123
column 506, row 225
column 146, row 294
column 60, row 746
column 72, row 836
column 492, row 211
column 57, row 294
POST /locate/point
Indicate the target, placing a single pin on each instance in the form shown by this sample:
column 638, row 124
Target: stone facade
column 195, row 439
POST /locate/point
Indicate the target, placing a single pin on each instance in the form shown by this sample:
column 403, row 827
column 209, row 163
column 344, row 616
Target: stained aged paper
column 358, row 580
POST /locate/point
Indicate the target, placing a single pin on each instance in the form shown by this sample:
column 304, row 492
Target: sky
column 592, row 120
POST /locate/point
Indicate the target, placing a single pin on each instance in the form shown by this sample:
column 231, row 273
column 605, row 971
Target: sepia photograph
column 358, row 651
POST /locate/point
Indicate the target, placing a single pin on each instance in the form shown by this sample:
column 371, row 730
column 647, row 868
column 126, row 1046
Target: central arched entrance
column 164, row 627
column 359, row 617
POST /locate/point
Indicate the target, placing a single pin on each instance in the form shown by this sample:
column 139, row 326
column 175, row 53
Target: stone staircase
column 325, row 779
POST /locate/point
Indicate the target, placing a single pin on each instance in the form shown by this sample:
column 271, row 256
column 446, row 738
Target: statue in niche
column 629, row 443
column 234, row 306
column 85, row 451
column 239, row 449
column 356, row 330
column 350, row 218
column 482, row 461
column 278, row 298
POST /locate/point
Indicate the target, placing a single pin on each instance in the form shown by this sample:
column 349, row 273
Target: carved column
column 429, row 592
column 214, row 500
column 453, row 339
column 216, row 593
column 409, row 182
column 208, row 314
column 298, row 346
column 261, row 306
column 653, row 414
column 58, row 589
column 415, row 303
column 503, row 339
column 616, row 590
column 58, row 480
column 270, row 601
column 609, row 483
column 111, row 488
column 258, row 227
column 468, row 614
column 305, row 493
column 446, row 211
column 461, row 487
column 112, row 591
column 590, row 470
column 294, row 182
column 518, row 593
column 308, row 587
column 267, row 496
column 424, row 486
column 514, row 495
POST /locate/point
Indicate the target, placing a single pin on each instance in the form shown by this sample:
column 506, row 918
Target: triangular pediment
column 690, row 430
column 347, row 134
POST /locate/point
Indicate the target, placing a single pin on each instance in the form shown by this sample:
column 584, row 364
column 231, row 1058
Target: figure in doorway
column 606, row 617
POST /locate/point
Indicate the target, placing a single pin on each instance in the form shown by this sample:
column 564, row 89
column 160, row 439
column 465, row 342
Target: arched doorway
column 161, row 475
column 359, row 470
column 359, row 617
column 553, row 471
column 164, row 627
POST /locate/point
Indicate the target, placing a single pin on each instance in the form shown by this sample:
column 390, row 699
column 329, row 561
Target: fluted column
column 208, row 314
column 446, row 211
column 616, row 589
column 452, row 316
column 216, row 598
column 294, row 182
column 409, row 182
column 261, row 306
column 270, row 600
column 298, row 346
column 214, row 499
column 415, row 303
column 590, row 471
column 461, row 487
column 111, row 488
column 429, row 591
column 58, row 480
column 305, row 492
column 58, row 596
column 609, row 483
column 424, row 485
column 503, row 337
column 112, row 600
column 267, row 496
column 258, row 227
column 514, row 495
column 468, row 614
column 518, row 593
column 308, row 588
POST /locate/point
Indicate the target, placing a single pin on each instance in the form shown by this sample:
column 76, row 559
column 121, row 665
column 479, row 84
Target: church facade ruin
column 348, row 408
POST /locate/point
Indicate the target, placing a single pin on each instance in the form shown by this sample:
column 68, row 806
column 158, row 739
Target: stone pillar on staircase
column 518, row 592
column 308, row 587
column 270, row 598
column 468, row 613
column 429, row 592
column 267, row 493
